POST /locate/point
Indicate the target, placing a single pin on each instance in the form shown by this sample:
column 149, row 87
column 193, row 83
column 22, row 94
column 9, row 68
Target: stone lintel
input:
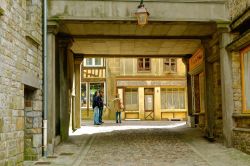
column 241, row 116
column 30, row 80
column 240, row 42
column 240, row 20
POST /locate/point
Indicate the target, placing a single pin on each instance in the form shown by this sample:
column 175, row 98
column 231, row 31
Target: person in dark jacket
column 95, row 106
column 101, row 104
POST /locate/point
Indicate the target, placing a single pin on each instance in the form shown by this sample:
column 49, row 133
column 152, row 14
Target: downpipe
column 45, row 81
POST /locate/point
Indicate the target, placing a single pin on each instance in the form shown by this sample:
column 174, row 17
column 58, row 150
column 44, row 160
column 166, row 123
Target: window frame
column 169, row 65
column 179, row 90
column 131, row 97
column 143, row 69
column 87, row 92
column 93, row 62
column 242, row 54
column 89, row 105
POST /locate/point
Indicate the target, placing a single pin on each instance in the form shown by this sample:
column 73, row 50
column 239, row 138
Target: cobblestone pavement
column 144, row 144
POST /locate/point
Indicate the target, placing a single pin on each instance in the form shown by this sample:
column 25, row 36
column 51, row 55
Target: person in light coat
column 118, row 107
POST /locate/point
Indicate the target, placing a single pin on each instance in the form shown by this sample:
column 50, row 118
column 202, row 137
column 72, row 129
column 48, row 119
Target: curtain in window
column 172, row 98
column 131, row 99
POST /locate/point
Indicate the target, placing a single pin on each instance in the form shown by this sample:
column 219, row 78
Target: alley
column 142, row 143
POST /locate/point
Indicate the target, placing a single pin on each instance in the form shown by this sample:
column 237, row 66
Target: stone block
column 33, row 114
column 33, row 131
column 37, row 122
column 3, row 155
column 27, row 143
column 28, row 122
column 1, row 125
column 37, row 105
column 37, row 140
column 20, row 123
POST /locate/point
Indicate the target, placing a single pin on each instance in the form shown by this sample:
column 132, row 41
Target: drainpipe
column 45, row 81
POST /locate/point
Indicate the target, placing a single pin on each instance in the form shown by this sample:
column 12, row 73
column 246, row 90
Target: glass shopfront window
column 87, row 92
column 245, row 64
column 131, row 98
column 172, row 98
column 84, row 95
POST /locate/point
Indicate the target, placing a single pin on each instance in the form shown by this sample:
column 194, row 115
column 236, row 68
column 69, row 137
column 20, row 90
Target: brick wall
column 20, row 53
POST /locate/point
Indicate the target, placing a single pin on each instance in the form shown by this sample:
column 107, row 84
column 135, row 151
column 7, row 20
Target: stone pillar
column 157, row 103
column 209, row 99
column 65, row 94
column 78, row 61
column 52, row 31
column 227, row 88
column 141, row 102
column 190, row 119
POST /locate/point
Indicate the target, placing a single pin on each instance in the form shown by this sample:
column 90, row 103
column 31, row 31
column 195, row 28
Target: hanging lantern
column 142, row 14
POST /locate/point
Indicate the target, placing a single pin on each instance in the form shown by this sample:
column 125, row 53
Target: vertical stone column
column 78, row 61
column 227, row 87
column 157, row 103
column 141, row 102
column 63, row 51
column 209, row 100
column 52, row 31
column 189, row 97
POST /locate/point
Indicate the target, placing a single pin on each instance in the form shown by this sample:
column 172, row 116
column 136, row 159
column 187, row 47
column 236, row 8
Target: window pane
column 131, row 98
column 163, row 99
column 83, row 95
column 147, row 65
column 170, row 99
column 89, row 61
column 246, row 62
column 143, row 64
column 175, row 99
column 98, row 61
column 182, row 98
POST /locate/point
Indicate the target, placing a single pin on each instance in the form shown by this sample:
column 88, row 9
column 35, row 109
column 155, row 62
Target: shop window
column 84, row 95
column 170, row 65
column 93, row 87
column 143, row 64
column 93, row 62
column 245, row 64
column 87, row 92
column 172, row 98
column 131, row 98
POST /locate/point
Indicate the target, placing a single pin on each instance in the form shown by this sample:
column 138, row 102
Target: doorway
column 149, row 103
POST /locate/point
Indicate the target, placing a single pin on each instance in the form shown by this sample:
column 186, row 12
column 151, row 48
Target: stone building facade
column 150, row 88
column 21, row 78
column 239, row 49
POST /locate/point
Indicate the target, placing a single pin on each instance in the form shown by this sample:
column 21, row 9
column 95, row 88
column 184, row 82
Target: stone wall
column 217, row 99
column 236, row 69
column 20, row 64
column 237, row 7
column 241, row 132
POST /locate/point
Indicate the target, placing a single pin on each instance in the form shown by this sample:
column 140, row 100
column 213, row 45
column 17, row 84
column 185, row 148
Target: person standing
column 95, row 106
column 118, row 106
column 100, row 100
